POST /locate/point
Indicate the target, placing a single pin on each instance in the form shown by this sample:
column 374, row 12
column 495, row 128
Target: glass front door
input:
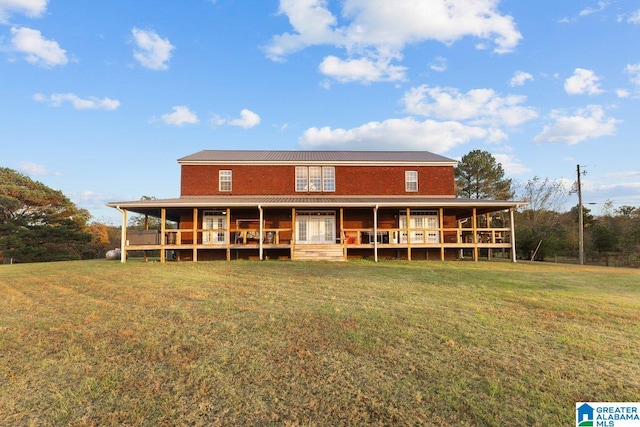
column 212, row 221
column 315, row 227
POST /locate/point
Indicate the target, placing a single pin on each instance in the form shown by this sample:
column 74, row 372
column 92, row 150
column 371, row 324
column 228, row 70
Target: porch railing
column 213, row 237
column 426, row 236
column 350, row 236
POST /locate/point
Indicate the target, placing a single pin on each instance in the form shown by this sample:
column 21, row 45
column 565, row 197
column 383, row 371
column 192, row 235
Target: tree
column 38, row 223
column 539, row 223
column 480, row 176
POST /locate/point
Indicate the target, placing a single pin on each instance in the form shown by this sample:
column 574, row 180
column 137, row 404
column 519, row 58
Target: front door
column 315, row 227
column 211, row 221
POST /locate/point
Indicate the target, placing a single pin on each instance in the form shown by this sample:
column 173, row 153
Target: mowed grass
column 314, row 343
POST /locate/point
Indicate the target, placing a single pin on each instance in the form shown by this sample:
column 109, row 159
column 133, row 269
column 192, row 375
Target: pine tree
column 480, row 176
column 38, row 223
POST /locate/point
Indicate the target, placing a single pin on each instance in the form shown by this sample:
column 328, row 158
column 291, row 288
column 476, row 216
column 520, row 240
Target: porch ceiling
column 174, row 207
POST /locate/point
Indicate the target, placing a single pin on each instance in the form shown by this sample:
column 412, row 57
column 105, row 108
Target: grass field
column 293, row 343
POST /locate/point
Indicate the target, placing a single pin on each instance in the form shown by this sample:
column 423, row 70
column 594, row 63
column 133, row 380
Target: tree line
column 544, row 229
column 38, row 223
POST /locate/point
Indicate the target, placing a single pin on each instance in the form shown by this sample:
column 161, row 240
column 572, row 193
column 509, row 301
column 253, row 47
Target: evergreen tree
column 480, row 176
column 38, row 223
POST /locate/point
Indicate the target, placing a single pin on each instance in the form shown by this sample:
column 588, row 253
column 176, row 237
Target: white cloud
column 247, row 120
column 151, row 51
column 35, row 169
column 31, row 8
column 181, row 115
column 511, row 164
column 587, row 123
column 583, row 81
column 520, row 78
column 397, row 134
column 479, row 106
column 634, row 18
column 364, row 70
column 634, row 72
column 376, row 31
column 602, row 5
column 622, row 93
column 89, row 199
column 38, row 50
column 439, row 64
column 90, row 103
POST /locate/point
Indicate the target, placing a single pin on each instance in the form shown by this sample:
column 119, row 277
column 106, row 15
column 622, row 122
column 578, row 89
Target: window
column 224, row 180
column 315, row 178
column 411, row 181
column 423, row 227
column 329, row 178
column 302, row 178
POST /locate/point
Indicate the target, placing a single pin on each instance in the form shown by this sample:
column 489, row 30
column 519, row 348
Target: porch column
column 228, row 233
column 441, row 224
column 163, row 219
column 343, row 241
column 459, row 237
column 512, row 226
column 123, row 237
column 375, row 233
column 195, row 235
column 293, row 232
column 492, row 235
column 261, row 228
column 408, row 234
column 474, row 227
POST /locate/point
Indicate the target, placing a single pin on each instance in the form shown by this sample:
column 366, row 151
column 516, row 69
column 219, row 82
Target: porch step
column 318, row 252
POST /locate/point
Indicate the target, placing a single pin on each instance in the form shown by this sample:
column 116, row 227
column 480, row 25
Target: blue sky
column 98, row 99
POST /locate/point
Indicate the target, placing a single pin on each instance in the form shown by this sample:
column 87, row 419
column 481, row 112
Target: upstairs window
column 224, row 180
column 328, row 178
column 411, row 181
column 315, row 178
column 302, row 178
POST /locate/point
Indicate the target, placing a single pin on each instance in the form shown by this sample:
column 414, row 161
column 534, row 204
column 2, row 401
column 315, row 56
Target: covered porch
column 228, row 228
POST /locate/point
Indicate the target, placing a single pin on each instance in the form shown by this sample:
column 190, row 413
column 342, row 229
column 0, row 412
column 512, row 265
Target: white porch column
column 228, row 233
column 512, row 226
column 123, row 237
column 261, row 227
column 441, row 232
column 293, row 233
column 375, row 233
column 343, row 241
column 408, row 234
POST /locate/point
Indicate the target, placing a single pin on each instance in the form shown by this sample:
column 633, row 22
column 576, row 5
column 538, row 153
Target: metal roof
column 298, row 156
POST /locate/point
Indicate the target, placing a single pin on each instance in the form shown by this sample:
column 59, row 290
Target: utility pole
column 580, row 222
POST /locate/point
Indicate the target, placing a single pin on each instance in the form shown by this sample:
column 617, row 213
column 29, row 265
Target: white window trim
column 410, row 177
column 304, row 175
column 224, row 178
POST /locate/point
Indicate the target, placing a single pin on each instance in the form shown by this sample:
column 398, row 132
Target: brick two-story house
column 320, row 205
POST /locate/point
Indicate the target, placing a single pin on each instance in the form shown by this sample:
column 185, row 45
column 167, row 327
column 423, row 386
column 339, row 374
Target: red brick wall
column 202, row 180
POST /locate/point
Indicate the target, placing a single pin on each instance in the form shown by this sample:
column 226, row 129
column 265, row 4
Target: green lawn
column 294, row 343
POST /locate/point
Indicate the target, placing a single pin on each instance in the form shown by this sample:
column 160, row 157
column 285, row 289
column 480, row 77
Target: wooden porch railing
column 212, row 237
column 426, row 236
